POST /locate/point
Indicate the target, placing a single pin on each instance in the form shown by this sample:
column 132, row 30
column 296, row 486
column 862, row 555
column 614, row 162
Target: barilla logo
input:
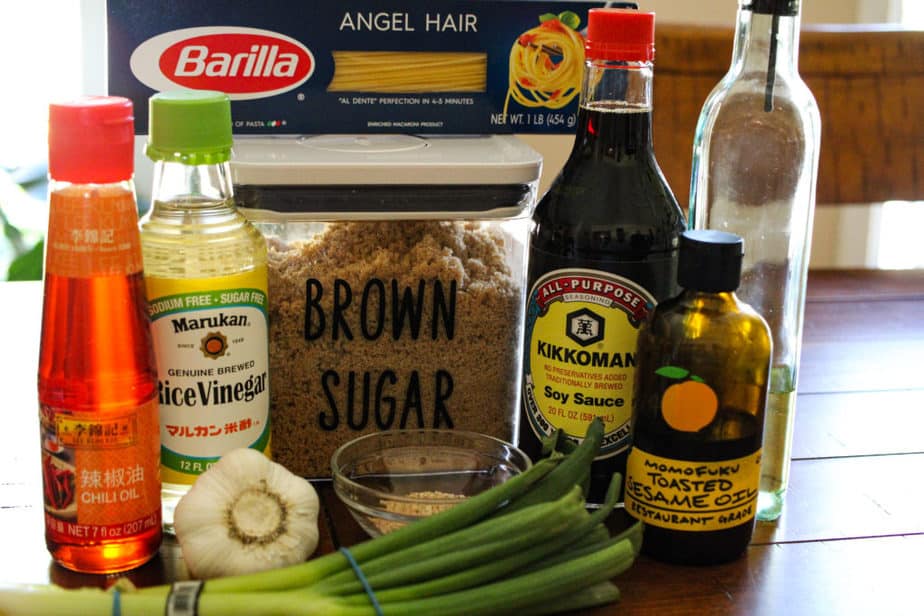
column 244, row 63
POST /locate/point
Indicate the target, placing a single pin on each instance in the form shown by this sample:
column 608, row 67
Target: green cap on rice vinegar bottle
column 189, row 126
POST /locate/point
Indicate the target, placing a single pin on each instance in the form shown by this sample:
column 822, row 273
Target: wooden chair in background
column 869, row 84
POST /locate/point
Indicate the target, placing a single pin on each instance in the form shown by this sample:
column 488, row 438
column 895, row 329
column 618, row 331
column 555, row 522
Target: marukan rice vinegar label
column 100, row 472
column 210, row 340
column 581, row 331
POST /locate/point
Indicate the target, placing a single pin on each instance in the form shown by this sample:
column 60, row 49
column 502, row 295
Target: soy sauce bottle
column 603, row 252
column 701, row 395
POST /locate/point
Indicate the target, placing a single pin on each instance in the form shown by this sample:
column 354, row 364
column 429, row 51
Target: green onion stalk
column 528, row 545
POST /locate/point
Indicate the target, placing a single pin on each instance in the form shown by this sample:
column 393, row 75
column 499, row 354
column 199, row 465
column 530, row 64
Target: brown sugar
column 386, row 325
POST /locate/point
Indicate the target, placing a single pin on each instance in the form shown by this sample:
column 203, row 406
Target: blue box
column 358, row 66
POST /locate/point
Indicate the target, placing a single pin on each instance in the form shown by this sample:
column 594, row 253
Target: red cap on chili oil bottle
column 91, row 140
column 620, row 34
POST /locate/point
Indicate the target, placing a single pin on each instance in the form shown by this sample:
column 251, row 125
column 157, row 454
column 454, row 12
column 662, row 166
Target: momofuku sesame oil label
column 691, row 496
column 210, row 339
column 581, row 332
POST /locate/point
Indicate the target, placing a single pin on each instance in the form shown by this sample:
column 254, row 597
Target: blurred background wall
column 54, row 49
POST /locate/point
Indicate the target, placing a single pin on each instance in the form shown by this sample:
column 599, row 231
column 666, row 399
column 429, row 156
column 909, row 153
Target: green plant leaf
column 28, row 266
column 698, row 379
column 672, row 372
column 11, row 233
column 570, row 19
column 546, row 17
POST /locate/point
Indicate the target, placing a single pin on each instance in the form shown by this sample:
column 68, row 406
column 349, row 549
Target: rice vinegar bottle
column 206, row 281
column 701, row 394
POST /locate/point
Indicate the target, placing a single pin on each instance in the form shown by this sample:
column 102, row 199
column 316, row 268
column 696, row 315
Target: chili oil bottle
column 603, row 252
column 206, row 280
column 97, row 382
column 701, row 393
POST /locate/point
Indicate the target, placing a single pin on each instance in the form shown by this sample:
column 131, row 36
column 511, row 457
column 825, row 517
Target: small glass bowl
column 387, row 479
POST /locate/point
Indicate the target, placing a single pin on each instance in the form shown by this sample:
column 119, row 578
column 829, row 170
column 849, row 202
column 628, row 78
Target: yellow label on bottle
column 210, row 340
column 691, row 496
column 581, row 334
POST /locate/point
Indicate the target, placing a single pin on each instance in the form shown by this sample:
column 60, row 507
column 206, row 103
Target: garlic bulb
column 246, row 513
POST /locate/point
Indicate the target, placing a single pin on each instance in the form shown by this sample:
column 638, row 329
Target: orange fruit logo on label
column 687, row 406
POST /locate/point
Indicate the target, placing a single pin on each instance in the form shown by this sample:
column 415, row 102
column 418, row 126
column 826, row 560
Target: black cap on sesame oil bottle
column 603, row 252
column 701, row 391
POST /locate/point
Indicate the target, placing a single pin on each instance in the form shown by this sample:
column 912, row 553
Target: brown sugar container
column 396, row 282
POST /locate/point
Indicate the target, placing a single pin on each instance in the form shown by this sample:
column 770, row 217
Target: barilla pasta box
column 358, row 66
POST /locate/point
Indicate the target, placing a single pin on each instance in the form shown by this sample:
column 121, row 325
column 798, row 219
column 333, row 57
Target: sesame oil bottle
column 701, row 396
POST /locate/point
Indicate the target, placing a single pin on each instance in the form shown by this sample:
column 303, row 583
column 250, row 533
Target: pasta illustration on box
column 546, row 63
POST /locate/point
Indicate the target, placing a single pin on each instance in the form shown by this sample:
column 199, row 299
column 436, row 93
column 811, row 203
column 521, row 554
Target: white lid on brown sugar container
column 371, row 176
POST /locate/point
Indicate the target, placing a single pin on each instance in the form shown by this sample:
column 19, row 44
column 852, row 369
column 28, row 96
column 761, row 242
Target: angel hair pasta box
column 358, row 66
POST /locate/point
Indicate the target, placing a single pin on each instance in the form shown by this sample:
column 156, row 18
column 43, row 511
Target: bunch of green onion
column 527, row 546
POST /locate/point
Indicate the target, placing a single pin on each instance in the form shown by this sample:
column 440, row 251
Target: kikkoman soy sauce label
column 581, row 331
column 691, row 496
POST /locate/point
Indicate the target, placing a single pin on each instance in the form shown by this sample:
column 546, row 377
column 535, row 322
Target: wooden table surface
column 851, row 537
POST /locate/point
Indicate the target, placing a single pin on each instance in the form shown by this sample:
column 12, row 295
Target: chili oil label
column 210, row 339
column 100, row 472
column 691, row 496
column 581, row 333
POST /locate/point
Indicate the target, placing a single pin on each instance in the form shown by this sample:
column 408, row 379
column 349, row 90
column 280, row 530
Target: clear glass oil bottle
column 97, row 379
column 701, row 391
column 206, row 280
column 755, row 163
column 603, row 252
